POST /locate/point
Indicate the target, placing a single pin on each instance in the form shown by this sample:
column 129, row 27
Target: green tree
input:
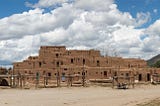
column 157, row 64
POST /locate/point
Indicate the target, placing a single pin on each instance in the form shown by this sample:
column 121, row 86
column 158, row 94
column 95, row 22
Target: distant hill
column 153, row 60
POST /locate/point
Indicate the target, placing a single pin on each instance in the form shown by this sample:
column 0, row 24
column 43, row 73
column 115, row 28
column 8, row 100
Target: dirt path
column 78, row 96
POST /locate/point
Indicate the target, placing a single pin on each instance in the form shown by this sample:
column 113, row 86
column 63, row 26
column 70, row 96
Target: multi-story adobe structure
column 57, row 60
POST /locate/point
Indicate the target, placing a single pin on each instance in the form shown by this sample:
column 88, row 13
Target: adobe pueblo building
column 54, row 61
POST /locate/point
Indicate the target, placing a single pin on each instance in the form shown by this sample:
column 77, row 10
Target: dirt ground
column 154, row 102
column 79, row 96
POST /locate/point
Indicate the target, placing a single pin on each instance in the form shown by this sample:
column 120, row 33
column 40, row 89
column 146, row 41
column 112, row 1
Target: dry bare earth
column 79, row 96
column 154, row 102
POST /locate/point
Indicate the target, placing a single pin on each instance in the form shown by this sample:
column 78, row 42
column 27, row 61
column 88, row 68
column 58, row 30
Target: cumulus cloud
column 151, row 42
column 35, row 22
column 95, row 5
column 18, row 50
column 128, row 39
column 77, row 24
column 142, row 18
column 19, row 25
column 46, row 3
column 154, row 28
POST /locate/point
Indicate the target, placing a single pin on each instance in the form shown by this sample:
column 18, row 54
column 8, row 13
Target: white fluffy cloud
column 77, row 24
column 154, row 28
column 46, row 3
column 151, row 44
column 94, row 5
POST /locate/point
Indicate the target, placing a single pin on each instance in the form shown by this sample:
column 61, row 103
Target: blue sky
column 127, row 28
column 10, row 7
column 135, row 6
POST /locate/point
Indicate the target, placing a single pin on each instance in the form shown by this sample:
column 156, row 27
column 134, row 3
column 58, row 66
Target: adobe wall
column 53, row 59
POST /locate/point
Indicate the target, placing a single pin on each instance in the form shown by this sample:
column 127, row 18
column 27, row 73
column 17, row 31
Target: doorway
column 148, row 77
column 140, row 77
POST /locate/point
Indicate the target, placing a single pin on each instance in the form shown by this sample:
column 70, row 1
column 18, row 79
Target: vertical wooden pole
column 113, row 82
column 20, row 81
column 83, row 74
column 10, row 81
column 58, row 79
column 37, row 79
column 44, row 82
column 13, row 78
column 71, row 80
column 47, row 78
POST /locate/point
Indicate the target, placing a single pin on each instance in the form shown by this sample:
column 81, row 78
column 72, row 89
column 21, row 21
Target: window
column 40, row 64
column 71, row 60
column 63, row 74
column 49, row 74
column 148, row 77
column 83, row 73
column 140, row 77
column 84, row 61
column 57, row 55
column 98, row 63
column 65, row 69
column 57, row 64
column 107, row 61
column 37, row 75
column 115, row 73
column 127, row 74
column 105, row 73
